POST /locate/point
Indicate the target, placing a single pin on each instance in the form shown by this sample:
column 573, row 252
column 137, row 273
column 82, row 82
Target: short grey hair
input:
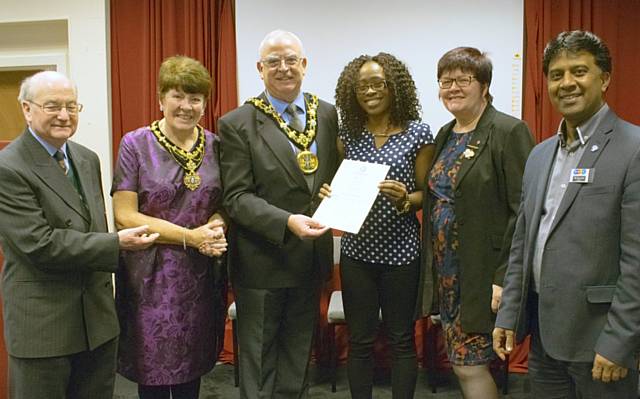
column 276, row 34
column 30, row 82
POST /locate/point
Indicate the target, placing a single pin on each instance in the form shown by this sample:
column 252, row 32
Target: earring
column 161, row 109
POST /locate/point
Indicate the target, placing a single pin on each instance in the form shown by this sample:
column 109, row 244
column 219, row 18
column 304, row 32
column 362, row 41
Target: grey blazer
column 590, row 278
column 56, row 281
column 263, row 185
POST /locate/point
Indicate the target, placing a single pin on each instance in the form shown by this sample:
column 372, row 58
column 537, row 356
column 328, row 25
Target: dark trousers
column 275, row 332
column 556, row 379
column 88, row 374
column 187, row 390
column 367, row 288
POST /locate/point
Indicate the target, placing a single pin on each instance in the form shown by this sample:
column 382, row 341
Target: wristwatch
column 403, row 206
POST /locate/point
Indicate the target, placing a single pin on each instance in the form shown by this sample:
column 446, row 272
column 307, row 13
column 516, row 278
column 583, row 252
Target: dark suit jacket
column 590, row 278
column 263, row 186
column 56, row 281
column 487, row 196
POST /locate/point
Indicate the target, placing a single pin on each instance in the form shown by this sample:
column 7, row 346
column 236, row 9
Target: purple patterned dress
column 168, row 299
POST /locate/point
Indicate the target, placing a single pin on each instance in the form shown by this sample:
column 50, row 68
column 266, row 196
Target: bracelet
column 405, row 205
column 184, row 239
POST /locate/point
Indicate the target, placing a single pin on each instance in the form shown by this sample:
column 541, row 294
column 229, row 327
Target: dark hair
column 573, row 42
column 405, row 105
column 471, row 60
column 185, row 73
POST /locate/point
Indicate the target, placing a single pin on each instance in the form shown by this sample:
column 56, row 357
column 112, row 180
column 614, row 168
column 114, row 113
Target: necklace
column 307, row 160
column 385, row 133
column 189, row 161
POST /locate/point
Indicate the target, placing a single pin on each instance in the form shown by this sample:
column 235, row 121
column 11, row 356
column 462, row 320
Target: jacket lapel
column 588, row 160
column 322, row 138
column 539, row 187
column 46, row 168
column 279, row 144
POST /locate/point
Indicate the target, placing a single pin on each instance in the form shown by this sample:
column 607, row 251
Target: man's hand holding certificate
column 353, row 191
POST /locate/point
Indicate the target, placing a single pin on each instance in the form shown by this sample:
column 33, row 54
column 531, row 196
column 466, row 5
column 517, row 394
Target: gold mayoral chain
column 307, row 160
column 189, row 161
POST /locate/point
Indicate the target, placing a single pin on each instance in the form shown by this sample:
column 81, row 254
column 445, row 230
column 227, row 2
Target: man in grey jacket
column 573, row 279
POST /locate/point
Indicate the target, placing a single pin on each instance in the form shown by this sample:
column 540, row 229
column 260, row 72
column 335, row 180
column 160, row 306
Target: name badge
column 581, row 176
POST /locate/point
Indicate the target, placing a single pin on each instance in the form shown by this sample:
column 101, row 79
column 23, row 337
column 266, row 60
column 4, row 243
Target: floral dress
column 463, row 349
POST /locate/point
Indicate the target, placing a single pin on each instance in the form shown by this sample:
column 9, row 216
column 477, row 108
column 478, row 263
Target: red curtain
column 144, row 32
column 615, row 21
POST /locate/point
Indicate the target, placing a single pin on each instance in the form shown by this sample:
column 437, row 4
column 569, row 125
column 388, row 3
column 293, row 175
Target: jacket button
column 69, row 223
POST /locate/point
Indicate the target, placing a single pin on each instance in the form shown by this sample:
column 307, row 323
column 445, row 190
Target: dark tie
column 295, row 122
column 59, row 156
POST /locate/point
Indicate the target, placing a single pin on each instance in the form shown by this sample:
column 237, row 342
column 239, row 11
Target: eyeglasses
column 54, row 108
column 461, row 81
column 378, row 85
column 275, row 62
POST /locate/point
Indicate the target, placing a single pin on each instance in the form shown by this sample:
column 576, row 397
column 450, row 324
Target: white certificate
column 353, row 191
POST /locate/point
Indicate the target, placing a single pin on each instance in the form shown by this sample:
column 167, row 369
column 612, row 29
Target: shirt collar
column 585, row 130
column 51, row 149
column 280, row 106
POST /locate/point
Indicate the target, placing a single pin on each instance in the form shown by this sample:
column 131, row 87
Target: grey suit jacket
column 590, row 278
column 263, row 186
column 56, row 281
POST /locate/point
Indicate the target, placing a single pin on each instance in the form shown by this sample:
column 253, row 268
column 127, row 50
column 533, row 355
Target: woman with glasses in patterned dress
column 379, row 267
column 169, row 297
column 470, row 205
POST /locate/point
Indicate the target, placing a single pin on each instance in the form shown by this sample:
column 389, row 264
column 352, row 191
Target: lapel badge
column 468, row 153
column 594, row 148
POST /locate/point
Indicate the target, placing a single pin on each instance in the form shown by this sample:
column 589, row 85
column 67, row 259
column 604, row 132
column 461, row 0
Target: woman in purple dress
column 168, row 296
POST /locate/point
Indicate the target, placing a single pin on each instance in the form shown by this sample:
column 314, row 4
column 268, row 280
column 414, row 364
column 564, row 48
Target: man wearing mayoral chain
column 276, row 152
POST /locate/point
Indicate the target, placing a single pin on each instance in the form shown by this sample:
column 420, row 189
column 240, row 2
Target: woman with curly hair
column 379, row 267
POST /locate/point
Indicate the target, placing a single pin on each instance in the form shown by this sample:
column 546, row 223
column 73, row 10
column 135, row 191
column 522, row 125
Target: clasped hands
column 209, row 238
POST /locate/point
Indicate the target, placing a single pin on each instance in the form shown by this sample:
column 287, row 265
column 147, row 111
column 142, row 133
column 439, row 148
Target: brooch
column 468, row 153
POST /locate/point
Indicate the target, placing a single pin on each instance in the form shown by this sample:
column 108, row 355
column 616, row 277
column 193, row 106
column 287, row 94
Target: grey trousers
column 275, row 332
column 83, row 375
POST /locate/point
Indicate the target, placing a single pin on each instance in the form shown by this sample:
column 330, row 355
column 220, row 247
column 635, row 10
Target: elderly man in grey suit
column 60, row 324
column 573, row 279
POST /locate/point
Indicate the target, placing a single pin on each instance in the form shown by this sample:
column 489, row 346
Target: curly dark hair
column 574, row 42
column 405, row 106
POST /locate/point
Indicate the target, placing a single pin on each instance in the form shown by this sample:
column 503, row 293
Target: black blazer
column 56, row 281
column 263, row 185
column 487, row 197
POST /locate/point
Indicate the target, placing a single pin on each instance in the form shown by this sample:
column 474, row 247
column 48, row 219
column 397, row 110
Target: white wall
column 418, row 32
column 87, row 64
column 333, row 31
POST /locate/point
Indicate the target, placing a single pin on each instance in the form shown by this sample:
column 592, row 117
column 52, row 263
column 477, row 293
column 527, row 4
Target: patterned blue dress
column 463, row 349
column 386, row 237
